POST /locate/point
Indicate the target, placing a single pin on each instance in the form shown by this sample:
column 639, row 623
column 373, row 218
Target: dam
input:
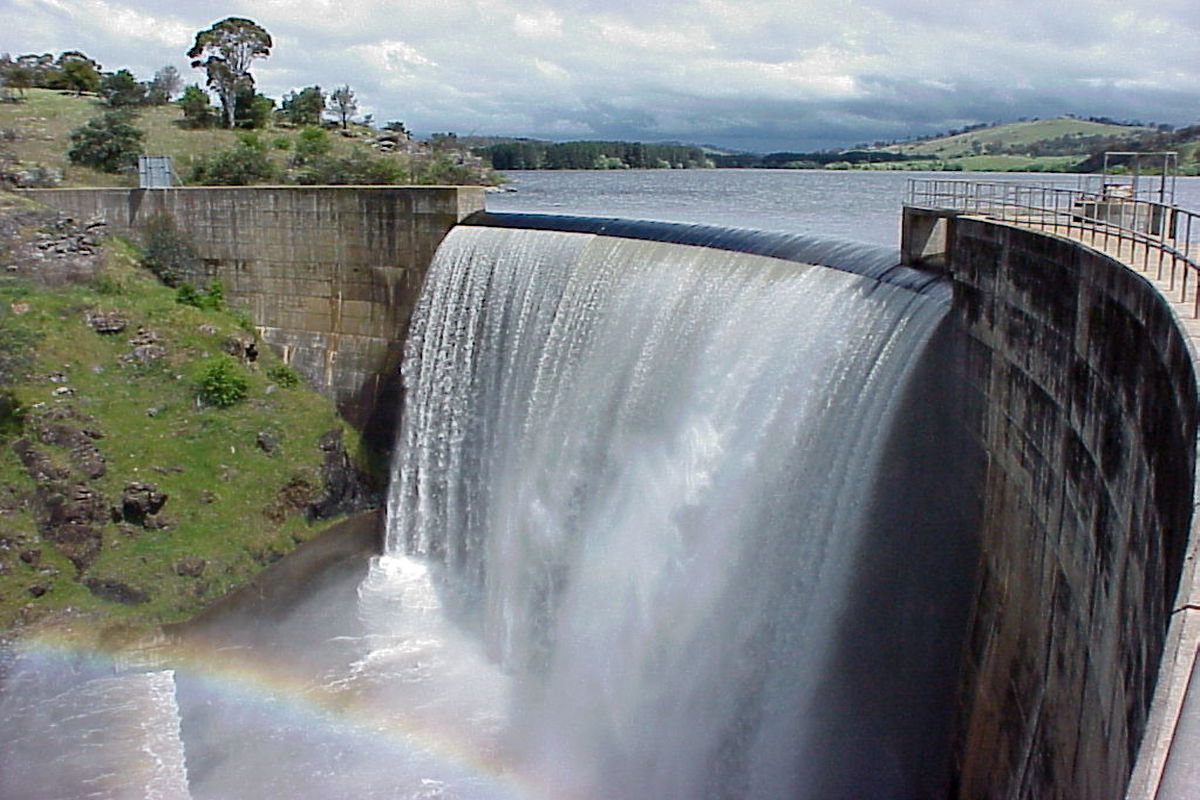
column 1038, row 423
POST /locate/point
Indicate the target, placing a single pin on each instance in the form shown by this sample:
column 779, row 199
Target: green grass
column 229, row 502
column 1014, row 133
column 43, row 122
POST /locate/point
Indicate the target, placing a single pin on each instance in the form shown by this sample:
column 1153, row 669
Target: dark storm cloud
column 747, row 74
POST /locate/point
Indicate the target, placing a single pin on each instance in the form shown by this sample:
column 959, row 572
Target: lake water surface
column 858, row 205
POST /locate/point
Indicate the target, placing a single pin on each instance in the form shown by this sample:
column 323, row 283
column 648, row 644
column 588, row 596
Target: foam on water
column 647, row 470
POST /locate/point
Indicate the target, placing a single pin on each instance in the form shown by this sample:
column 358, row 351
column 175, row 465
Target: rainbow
column 256, row 682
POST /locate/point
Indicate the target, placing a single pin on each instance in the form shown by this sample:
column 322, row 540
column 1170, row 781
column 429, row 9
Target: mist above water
column 651, row 473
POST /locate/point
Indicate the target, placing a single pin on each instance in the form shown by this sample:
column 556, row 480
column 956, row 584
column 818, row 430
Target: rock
column 241, row 345
column 208, row 329
column 30, row 556
column 39, row 589
column 37, row 464
column 190, row 566
column 345, row 489
column 266, row 441
column 84, row 456
column 140, row 501
column 142, row 337
column 145, row 353
column 105, row 322
column 207, row 497
column 66, row 516
column 115, row 591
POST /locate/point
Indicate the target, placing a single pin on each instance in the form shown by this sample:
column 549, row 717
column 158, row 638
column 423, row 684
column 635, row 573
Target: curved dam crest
column 1081, row 394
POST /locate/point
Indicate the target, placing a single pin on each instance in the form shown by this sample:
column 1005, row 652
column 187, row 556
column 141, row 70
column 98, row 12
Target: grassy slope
column 1014, row 133
column 44, row 120
column 226, row 495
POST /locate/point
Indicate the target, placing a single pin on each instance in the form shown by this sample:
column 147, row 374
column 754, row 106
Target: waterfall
column 647, row 476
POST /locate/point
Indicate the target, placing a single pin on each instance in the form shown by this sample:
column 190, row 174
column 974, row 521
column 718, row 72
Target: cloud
column 759, row 74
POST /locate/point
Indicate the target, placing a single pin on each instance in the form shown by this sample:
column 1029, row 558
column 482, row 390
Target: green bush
column 167, row 251
column 311, row 143
column 222, row 383
column 283, row 375
column 12, row 414
column 357, row 168
column 212, row 298
column 187, row 295
column 110, row 142
column 242, row 165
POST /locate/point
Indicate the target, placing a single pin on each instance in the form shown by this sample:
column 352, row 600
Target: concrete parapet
column 329, row 273
column 1088, row 393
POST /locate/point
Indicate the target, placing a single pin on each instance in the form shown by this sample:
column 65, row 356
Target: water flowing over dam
column 652, row 480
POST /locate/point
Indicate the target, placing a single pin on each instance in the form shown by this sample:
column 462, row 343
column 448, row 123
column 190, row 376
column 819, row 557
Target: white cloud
column 541, row 24
column 749, row 71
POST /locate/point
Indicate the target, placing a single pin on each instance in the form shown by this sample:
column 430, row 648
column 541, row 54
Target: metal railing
column 1155, row 238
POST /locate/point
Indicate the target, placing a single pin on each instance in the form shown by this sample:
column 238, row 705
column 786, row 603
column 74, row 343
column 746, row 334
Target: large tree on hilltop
column 225, row 52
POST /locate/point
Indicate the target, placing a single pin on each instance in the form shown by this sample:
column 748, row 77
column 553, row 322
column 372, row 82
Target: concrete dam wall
column 1088, row 419
column 1086, row 410
column 330, row 274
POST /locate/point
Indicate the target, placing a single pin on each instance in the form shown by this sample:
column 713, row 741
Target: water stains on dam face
column 1062, row 386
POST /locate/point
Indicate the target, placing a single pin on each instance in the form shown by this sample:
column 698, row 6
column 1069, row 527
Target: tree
column 109, row 143
column 19, row 78
column 304, row 107
column 166, row 84
column 197, row 111
column 78, row 72
column 42, row 71
column 341, row 103
column 120, row 88
column 252, row 110
column 225, row 52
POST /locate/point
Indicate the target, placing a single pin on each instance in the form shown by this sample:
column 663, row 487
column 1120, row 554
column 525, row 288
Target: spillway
column 677, row 512
column 685, row 497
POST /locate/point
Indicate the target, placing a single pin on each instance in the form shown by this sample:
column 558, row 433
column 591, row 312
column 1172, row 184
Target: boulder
column 106, row 322
column 141, row 501
column 190, row 566
column 116, row 591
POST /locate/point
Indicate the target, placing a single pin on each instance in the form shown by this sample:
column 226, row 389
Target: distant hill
column 1043, row 137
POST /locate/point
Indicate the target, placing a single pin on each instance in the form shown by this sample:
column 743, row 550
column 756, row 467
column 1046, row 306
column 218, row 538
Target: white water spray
column 650, row 467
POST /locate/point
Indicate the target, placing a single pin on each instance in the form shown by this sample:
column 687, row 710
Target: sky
column 757, row 75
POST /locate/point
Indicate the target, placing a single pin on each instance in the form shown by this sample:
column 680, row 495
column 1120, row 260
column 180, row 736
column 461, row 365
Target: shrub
column 211, row 298
column 356, row 168
column 197, row 110
column 283, row 375
column 110, row 142
column 167, row 251
column 311, row 143
column 242, row 165
column 187, row 295
column 12, row 414
column 222, row 383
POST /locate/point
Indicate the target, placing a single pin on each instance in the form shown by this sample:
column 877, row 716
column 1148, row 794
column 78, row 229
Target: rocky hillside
column 152, row 455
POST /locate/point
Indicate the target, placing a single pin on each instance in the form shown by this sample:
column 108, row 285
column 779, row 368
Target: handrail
column 1163, row 238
